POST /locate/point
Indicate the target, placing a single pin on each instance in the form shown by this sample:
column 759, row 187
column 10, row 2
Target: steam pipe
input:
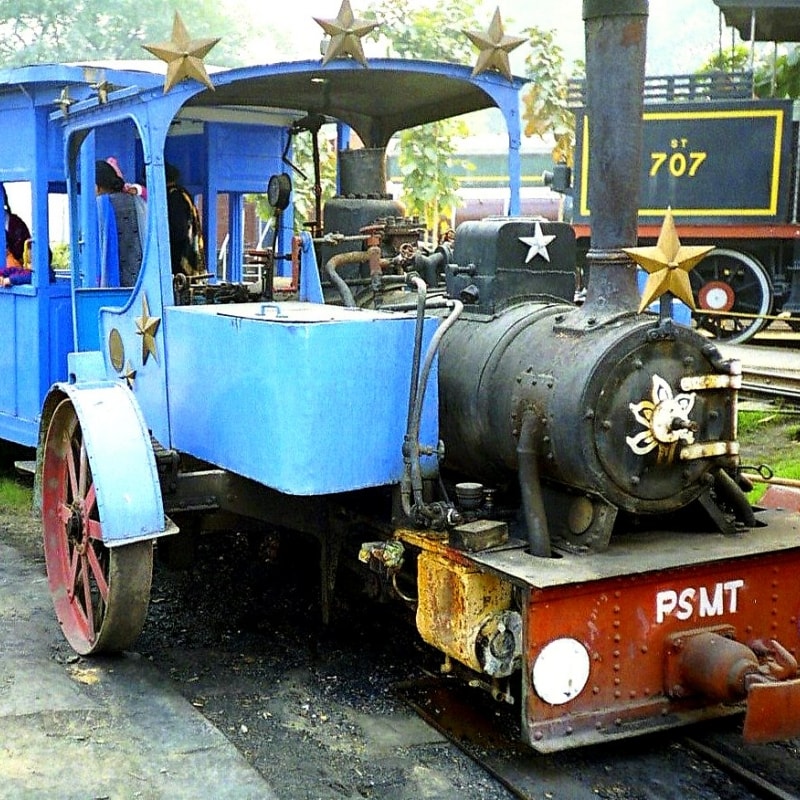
column 616, row 34
column 411, row 482
column 531, row 487
column 422, row 296
column 352, row 257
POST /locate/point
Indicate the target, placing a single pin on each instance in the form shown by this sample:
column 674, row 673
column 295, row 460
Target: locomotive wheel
column 729, row 280
column 100, row 593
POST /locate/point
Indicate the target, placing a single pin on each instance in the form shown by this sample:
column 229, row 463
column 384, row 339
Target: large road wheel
column 735, row 282
column 100, row 593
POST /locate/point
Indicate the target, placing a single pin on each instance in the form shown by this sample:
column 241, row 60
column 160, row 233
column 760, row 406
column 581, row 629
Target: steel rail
column 763, row 787
column 759, row 380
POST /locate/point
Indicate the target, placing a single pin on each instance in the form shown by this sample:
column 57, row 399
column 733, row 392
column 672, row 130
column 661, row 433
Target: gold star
column 129, row 375
column 102, row 91
column 345, row 32
column 146, row 327
column 183, row 56
column 494, row 46
column 64, row 101
column 668, row 264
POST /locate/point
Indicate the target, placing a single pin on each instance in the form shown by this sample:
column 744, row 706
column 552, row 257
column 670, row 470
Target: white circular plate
column 560, row 671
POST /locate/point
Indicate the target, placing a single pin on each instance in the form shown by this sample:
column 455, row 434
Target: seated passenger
column 17, row 269
column 121, row 219
column 185, row 232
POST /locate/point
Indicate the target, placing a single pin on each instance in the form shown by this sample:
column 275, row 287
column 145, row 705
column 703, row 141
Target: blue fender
column 120, row 456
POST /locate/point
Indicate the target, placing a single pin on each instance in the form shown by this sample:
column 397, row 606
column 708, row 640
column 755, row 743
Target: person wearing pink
column 16, row 271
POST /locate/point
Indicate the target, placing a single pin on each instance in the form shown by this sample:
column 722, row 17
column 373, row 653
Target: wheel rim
column 728, row 280
column 100, row 594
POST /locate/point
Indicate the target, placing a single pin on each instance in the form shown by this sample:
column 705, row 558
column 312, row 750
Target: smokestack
column 616, row 36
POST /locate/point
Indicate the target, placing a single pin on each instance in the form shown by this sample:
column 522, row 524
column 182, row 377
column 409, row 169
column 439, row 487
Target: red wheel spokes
column 97, row 572
column 88, row 605
column 96, row 614
column 85, row 575
column 69, row 458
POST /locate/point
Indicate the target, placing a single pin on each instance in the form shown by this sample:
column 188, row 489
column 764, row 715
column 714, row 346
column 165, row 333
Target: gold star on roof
column 345, row 32
column 64, row 101
column 146, row 327
column 668, row 264
column 183, row 56
column 494, row 46
column 101, row 88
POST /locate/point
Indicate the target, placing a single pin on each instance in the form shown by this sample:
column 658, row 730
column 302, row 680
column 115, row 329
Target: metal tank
column 597, row 409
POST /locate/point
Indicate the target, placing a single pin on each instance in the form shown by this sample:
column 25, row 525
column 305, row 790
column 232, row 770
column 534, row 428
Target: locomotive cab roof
column 387, row 96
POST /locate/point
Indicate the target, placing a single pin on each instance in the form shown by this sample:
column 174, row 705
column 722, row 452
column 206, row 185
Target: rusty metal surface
column 622, row 627
column 454, row 601
column 635, row 553
column 780, row 496
column 773, row 712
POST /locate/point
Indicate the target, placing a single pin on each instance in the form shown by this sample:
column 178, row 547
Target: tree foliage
column 729, row 59
column 780, row 78
column 433, row 32
column 775, row 76
column 545, row 108
column 41, row 31
column 426, row 155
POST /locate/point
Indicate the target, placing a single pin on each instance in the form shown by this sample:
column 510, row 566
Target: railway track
column 771, row 382
column 317, row 711
column 742, row 771
column 711, row 763
column 768, row 371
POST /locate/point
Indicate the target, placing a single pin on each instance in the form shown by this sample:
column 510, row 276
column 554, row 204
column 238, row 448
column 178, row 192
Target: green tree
column 40, row 31
column 777, row 76
column 780, row 78
column 545, row 106
column 426, row 155
column 729, row 59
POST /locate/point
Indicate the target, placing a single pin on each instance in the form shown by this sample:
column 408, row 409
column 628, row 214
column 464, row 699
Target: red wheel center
column 716, row 296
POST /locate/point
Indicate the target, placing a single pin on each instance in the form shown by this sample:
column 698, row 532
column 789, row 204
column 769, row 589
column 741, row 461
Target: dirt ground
column 312, row 707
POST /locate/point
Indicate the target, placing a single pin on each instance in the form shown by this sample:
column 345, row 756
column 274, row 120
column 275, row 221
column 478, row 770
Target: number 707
column 678, row 164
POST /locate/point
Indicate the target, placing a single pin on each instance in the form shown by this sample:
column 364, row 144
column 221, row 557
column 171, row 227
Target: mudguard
column 120, row 456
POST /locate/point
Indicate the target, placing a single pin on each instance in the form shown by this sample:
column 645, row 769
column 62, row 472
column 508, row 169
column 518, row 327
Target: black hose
column 422, row 296
column 729, row 490
column 412, row 474
column 531, row 488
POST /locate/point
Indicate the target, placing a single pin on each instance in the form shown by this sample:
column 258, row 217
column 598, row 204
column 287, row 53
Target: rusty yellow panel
column 454, row 601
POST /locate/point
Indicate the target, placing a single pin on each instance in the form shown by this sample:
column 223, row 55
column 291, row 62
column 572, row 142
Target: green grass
column 770, row 436
column 787, row 468
column 14, row 496
column 753, row 420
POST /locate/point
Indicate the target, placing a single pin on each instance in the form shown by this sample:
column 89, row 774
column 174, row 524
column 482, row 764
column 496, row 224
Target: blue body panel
column 304, row 398
column 320, row 394
column 118, row 446
column 36, row 319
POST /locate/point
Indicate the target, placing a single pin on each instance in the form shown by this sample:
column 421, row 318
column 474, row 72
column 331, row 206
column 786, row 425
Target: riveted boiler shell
column 593, row 393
